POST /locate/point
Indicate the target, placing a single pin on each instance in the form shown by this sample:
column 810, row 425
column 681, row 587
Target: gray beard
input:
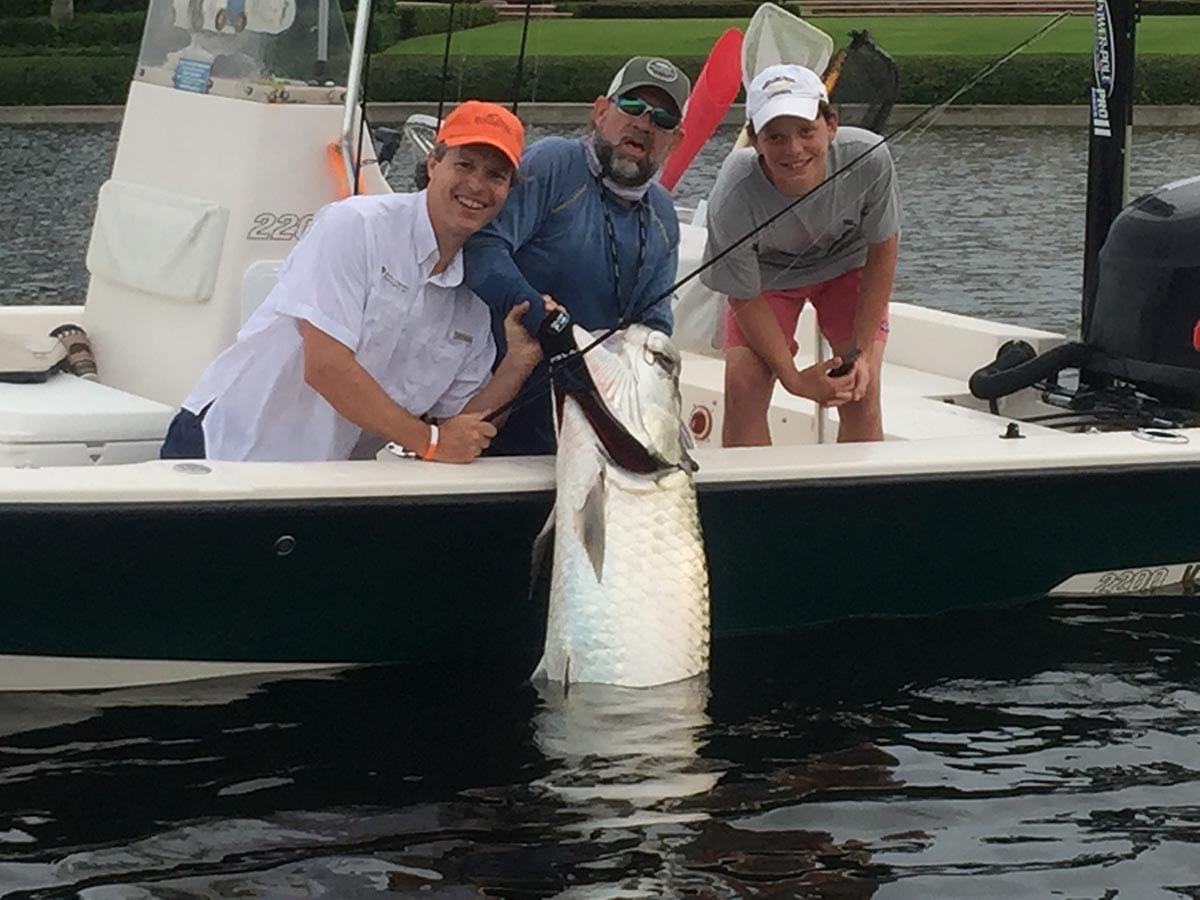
column 625, row 172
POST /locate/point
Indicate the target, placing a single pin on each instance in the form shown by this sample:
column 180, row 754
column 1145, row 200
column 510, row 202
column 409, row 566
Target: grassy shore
column 899, row 35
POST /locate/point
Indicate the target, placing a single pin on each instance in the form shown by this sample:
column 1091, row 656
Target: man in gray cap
column 589, row 227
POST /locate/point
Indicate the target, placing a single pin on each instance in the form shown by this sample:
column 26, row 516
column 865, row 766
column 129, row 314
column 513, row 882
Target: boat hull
column 439, row 578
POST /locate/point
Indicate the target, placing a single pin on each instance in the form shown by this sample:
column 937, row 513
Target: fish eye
column 664, row 360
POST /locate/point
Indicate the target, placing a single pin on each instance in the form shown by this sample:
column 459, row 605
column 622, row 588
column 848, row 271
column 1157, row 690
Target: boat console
column 232, row 138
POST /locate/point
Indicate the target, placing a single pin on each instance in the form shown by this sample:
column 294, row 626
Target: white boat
column 120, row 568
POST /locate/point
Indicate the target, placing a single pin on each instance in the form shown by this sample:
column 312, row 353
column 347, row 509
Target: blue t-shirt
column 551, row 238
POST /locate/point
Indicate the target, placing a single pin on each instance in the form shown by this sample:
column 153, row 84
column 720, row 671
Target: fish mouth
column 625, row 449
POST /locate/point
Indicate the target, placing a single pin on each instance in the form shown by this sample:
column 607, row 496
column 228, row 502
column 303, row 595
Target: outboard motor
column 1145, row 324
column 1144, row 329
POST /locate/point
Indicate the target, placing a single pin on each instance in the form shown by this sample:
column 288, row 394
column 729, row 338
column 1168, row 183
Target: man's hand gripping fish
column 629, row 589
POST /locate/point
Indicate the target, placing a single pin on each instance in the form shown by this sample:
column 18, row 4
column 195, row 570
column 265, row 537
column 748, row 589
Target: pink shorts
column 835, row 301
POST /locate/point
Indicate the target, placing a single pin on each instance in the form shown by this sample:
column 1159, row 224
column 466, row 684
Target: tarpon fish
column 629, row 585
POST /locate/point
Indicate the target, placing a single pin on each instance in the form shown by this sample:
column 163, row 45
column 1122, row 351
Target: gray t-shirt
column 827, row 233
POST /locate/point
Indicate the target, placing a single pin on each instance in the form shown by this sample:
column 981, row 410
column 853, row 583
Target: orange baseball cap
column 479, row 122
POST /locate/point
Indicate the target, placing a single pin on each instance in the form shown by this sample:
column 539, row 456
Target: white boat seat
column 68, row 420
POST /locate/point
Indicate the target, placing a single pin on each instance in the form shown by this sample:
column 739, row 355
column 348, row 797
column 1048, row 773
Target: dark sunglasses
column 635, row 106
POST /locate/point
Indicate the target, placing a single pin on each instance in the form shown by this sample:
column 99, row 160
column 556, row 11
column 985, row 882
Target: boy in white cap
column 835, row 249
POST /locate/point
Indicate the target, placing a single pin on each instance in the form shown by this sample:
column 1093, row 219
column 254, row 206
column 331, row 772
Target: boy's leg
column 748, row 387
column 836, row 302
column 749, row 381
column 862, row 420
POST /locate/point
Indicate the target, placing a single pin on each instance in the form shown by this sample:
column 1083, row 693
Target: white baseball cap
column 784, row 90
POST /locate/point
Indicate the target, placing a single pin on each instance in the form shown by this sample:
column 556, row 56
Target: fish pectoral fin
column 590, row 526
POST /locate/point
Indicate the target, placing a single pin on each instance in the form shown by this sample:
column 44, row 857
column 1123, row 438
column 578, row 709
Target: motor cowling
column 1145, row 324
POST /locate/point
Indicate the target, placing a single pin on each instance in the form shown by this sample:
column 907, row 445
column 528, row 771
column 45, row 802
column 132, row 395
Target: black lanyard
column 611, row 230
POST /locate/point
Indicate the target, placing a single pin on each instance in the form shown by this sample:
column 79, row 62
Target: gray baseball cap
column 652, row 71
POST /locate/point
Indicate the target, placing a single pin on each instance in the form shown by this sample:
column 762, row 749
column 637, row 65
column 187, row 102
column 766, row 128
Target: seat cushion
column 69, row 409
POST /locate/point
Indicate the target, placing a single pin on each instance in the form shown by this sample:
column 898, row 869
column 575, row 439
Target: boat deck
column 917, row 406
column 932, row 426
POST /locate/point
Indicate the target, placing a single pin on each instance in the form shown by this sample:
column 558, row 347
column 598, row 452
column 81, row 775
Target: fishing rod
column 445, row 63
column 521, row 56
column 625, row 321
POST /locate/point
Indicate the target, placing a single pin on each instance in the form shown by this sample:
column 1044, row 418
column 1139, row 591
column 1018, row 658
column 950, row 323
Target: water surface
column 1046, row 751
column 993, row 218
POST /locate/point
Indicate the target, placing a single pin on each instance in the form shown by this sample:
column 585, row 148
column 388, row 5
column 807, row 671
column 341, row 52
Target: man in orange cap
column 370, row 335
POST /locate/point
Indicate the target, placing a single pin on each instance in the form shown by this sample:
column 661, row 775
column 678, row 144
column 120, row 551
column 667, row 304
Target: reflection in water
column 625, row 762
column 628, row 769
column 624, row 756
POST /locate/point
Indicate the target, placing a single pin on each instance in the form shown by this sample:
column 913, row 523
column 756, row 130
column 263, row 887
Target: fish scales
column 629, row 587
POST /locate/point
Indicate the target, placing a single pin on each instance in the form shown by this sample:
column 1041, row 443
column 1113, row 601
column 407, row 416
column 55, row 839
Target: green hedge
column 48, row 80
column 111, row 6
column 22, row 8
column 697, row 10
column 125, row 52
column 1166, row 80
column 405, row 22
column 433, row 20
column 719, row 9
column 352, row 5
column 1027, row 79
column 546, row 78
column 662, row 10
column 19, row 8
column 125, row 29
column 90, row 30
column 1170, row 7
column 82, row 7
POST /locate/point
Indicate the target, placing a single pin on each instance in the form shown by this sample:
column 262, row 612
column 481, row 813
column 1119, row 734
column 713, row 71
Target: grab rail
column 358, row 52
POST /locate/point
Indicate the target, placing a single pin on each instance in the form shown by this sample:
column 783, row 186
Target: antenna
column 445, row 63
column 521, row 56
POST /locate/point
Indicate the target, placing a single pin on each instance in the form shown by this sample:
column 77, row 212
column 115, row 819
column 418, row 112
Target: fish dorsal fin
column 590, row 525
